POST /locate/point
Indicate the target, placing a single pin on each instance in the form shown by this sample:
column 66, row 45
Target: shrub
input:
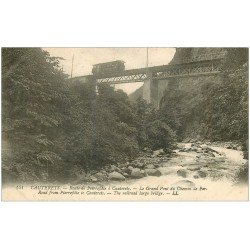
column 160, row 135
column 242, row 174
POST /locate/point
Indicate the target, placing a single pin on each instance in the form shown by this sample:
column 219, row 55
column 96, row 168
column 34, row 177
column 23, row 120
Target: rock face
column 196, row 54
column 137, row 173
column 115, row 176
column 153, row 172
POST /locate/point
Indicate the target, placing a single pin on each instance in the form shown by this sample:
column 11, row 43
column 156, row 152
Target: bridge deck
column 184, row 69
column 162, row 72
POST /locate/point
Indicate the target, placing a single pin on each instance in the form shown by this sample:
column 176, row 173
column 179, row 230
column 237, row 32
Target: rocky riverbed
column 195, row 171
column 209, row 167
column 190, row 163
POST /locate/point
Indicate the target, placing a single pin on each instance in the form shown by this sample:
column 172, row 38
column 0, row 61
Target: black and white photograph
column 125, row 124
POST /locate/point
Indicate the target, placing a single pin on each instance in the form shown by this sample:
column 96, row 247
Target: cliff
column 196, row 54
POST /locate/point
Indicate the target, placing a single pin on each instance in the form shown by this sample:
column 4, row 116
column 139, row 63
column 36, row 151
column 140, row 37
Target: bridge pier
column 153, row 90
column 147, row 88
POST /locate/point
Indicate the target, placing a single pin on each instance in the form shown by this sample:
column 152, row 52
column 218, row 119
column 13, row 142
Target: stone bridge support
column 153, row 90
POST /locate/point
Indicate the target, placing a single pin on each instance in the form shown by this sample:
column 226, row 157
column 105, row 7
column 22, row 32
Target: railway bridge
column 156, row 79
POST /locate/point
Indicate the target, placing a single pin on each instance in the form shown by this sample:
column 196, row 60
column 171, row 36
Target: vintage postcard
column 124, row 124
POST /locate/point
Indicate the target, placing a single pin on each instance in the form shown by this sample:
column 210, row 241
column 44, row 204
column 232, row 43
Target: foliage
column 52, row 126
column 226, row 112
column 220, row 108
column 242, row 174
column 160, row 135
column 172, row 110
column 101, row 128
column 31, row 101
column 153, row 132
column 181, row 107
column 226, row 104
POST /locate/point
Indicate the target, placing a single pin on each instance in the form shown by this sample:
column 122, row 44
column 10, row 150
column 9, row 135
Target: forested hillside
column 32, row 113
column 55, row 129
column 221, row 108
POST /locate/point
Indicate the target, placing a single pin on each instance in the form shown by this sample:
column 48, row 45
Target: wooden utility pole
column 72, row 65
column 147, row 58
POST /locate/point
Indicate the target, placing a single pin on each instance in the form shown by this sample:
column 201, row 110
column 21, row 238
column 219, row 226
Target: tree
column 152, row 130
column 220, row 108
column 226, row 112
column 32, row 102
column 101, row 128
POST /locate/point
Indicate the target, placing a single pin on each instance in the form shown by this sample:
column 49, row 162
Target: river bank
column 194, row 171
column 190, row 161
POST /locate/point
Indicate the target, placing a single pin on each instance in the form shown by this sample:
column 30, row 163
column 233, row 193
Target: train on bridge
column 108, row 68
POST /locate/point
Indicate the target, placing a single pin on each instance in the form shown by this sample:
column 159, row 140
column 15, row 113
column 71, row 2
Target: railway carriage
column 108, row 68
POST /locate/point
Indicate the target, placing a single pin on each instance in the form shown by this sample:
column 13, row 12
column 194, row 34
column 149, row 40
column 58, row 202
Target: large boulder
column 93, row 178
column 184, row 184
column 100, row 176
column 193, row 168
column 153, row 172
column 158, row 152
column 139, row 165
column 115, row 176
column 219, row 159
column 137, row 173
column 202, row 174
column 130, row 168
column 150, row 166
column 182, row 173
column 125, row 170
column 195, row 149
column 210, row 154
column 204, row 146
column 183, row 150
column 80, row 178
column 113, row 168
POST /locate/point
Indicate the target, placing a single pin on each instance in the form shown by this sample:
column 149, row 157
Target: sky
column 134, row 58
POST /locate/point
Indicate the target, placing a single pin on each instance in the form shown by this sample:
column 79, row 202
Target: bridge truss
column 206, row 67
